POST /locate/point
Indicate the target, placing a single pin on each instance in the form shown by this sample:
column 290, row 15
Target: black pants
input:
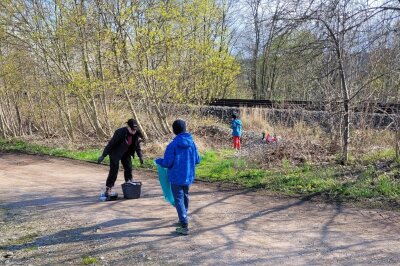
column 114, row 167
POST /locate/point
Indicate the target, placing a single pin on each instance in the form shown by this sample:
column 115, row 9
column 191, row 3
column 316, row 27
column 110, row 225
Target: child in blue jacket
column 180, row 158
column 236, row 126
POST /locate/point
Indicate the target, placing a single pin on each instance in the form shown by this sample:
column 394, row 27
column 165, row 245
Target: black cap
column 234, row 116
column 179, row 126
column 132, row 123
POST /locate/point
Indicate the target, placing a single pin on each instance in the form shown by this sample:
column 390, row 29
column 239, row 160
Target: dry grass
column 208, row 134
column 370, row 140
column 301, row 143
column 155, row 148
column 254, row 119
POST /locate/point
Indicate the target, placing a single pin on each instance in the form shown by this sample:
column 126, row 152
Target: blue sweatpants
column 181, row 197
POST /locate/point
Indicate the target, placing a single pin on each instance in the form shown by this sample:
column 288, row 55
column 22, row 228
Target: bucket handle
column 136, row 183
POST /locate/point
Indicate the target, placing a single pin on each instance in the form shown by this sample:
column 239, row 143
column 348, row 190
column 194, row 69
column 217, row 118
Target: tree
column 342, row 26
column 84, row 54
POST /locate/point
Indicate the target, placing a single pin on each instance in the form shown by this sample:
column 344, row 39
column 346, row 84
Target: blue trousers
column 181, row 197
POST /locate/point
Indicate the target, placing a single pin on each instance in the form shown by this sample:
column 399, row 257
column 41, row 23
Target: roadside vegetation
column 372, row 177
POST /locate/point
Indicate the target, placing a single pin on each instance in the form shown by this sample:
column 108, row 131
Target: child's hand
column 159, row 161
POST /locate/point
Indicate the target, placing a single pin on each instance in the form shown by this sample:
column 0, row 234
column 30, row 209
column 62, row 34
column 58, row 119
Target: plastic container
column 103, row 195
column 132, row 190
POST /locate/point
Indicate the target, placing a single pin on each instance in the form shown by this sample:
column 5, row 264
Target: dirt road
column 50, row 214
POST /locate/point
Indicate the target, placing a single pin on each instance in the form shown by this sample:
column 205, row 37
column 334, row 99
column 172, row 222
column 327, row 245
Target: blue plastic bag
column 165, row 184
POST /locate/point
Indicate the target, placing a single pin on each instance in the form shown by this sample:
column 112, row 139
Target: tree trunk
column 254, row 61
column 397, row 136
column 43, row 117
column 87, row 114
column 346, row 115
column 11, row 116
column 397, row 143
column 134, row 113
column 80, row 123
column 67, row 112
column 60, row 100
column 95, row 117
column 3, row 123
column 148, row 110
column 33, row 110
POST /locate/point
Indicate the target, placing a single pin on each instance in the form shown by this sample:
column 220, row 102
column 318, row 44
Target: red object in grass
column 269, row 138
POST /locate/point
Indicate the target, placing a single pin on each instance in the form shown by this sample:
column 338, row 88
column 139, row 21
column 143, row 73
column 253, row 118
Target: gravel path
column 50, row 214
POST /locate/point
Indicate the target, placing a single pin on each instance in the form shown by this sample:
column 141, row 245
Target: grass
column 382, row 155
column 90, row 155
column 254, row 119
column 330, row 181
column 23, row 240
column 87, row 260
column 224, row 166
column 361, row 181
column 31, row 248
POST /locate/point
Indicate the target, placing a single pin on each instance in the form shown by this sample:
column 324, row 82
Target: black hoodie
column 118, row 145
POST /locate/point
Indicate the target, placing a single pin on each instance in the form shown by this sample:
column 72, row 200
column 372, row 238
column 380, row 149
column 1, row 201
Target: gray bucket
column 132, row 190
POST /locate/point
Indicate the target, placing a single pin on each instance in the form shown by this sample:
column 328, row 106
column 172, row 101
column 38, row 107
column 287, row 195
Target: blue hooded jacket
column 181, row 157
column 236, row 128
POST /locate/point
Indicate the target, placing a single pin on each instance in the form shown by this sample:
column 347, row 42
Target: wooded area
column 77, row 67
column 69, row 60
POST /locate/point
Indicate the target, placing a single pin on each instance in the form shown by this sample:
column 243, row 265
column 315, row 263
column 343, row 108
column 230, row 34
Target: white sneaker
column 131, row 182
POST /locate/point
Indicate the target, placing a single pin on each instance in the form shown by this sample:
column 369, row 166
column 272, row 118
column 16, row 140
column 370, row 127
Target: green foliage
column 285, row 164
column 291, row 180
column 372, row 184
column 184, row 30
column 19, row 145
column 378, row 156
column 71, row 61
column 31, row 248
column 388, row 187
column 87, row 260
column 224, row 166
column 83, row 155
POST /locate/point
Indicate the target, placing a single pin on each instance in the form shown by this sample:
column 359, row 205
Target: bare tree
column 342, row 27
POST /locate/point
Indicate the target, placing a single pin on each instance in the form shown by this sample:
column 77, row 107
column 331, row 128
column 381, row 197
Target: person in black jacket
column 124, row 144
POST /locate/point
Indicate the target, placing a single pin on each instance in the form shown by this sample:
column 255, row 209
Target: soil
column 50, row 214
